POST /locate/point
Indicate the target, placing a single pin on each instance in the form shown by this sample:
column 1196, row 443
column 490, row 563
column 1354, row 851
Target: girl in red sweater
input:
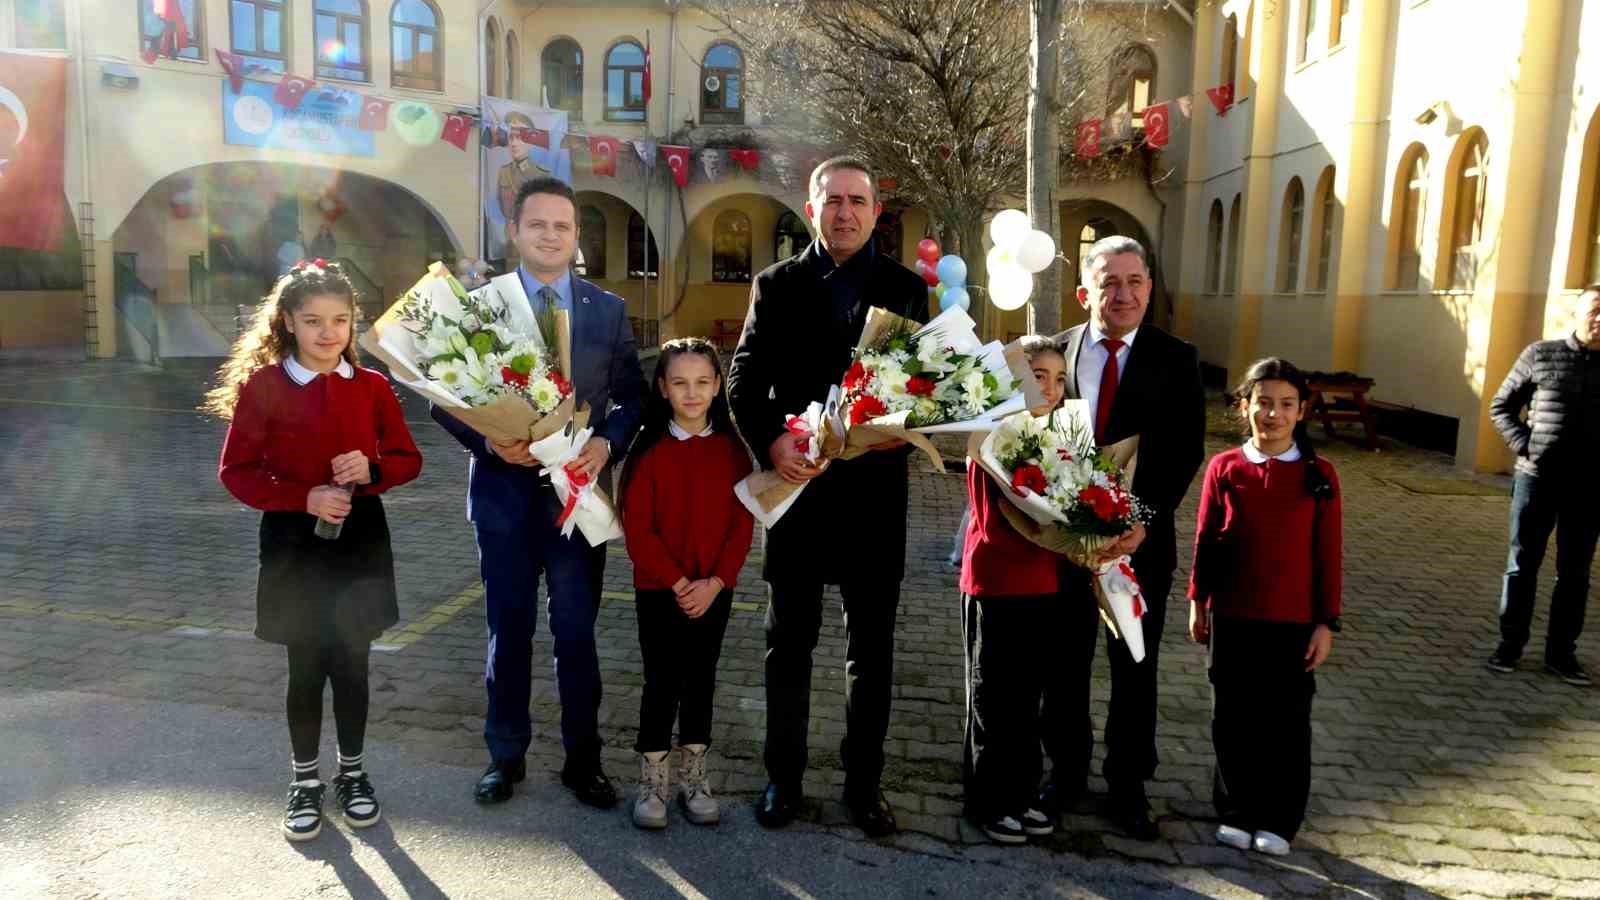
column 1264, row 595
column 313, row 441
column 688, row 536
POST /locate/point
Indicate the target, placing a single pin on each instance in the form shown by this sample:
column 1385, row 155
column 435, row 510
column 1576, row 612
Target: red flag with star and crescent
column 1221, row 97
column 603, row 155
column 1157, row 127
column 291, row 90
column 233, row 64
column 33, row 99
column 678, row 161
column 1088, row 138
column 457, row 128
column 374, row 114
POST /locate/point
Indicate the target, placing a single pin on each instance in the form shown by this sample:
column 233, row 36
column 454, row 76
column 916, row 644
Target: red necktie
column 1108, row 389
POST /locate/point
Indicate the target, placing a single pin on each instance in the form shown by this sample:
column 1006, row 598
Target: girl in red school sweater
column 688, row 536
column 1265, row 595
column 312, row 443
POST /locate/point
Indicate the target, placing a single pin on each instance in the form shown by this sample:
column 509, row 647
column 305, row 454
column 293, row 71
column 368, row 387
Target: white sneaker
column 1237, row 838
column 694, row 792
column 1270, row 844
column 650, row 809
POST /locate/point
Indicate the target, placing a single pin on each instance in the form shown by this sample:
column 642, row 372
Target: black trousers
column 1009, row 647
column 1131, row 720
column 311, row 666
column 794, row 619
column 680, row 668
column 1066, row 728
column 1540, row 505
column 1261, row 723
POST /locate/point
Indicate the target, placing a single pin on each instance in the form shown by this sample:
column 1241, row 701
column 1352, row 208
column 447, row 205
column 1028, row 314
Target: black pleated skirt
column 315, row 591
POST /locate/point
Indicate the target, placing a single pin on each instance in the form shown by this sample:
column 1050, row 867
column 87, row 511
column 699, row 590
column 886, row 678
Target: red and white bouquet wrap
column 485, row 358
column 905, row 382
column 1072, row 498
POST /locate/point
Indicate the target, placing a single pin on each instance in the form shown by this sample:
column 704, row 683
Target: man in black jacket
column 1558, row 384
column 849, row 525
column 1138, row 380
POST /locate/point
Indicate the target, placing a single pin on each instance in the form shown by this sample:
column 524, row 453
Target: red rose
column 512, row 376
column 919, row 386
column 867, row 408
column 1028, row 476
column 856, row 376
column 1100, row 500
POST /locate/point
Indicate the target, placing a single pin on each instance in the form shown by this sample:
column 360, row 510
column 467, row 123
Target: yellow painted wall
column 31, row 319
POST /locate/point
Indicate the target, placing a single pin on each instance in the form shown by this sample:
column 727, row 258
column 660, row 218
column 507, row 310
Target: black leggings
column 312, row 665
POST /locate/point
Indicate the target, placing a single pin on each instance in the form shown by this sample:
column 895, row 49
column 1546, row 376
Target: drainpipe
column 672, row 48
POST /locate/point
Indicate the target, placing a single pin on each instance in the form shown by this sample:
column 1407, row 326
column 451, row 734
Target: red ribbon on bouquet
column 797, row 427
column 580, row 480
column 1138, row 598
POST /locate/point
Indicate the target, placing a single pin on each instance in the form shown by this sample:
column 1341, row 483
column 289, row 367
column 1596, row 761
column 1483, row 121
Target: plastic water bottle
column 329, row 531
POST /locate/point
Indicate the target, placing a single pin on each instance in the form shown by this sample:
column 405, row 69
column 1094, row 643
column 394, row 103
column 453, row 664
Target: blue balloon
column 955, row 296
column 952, row 270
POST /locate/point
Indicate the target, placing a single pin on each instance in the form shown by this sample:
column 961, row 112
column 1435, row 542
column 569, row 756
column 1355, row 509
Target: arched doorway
column 204, row 241
column 1082, row 223
column 728, row 241
column 618, row 252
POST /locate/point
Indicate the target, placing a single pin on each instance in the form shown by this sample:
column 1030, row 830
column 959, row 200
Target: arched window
column 722, row 85
column 1324, row 216
column 730, row 246
column 790, row 237
column 1336, row 22
column 1228, row 63
column 342, row 40
column 1241, row 83
column 1306, row 45
column 1133, row 83
column 491, row 57
column 1230, row 275
column 592, row 241
column 562, row 62
column 1093, row 230
column 1407, row 218
column 638, row 237
column 152, row 28
column 513, row 51
column 625, row 83
column 258, row 32
column 1471, row 183
column 1294, row 213
column 1584, row 267
column 415, row 45
column 1214, row 249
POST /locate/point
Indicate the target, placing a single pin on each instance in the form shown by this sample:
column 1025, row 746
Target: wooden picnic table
column 1355, row 391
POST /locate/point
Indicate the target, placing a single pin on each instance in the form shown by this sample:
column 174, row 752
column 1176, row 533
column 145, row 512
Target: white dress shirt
column 683, row 434
column 303, row 376
column 1254, row 454
column 1092, row 364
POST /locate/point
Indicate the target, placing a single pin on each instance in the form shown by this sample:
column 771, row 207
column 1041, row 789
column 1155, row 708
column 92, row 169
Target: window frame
column 341, row 21
column 624, row 112
column 1230, row 272
column 721, row 115
column 1214, row 231
column 1324, row 221
column 1305, row 38
column 779, row 232
column 1130, row 63
column 1411, row 177
column 642, row 239
column 195, row 24
column 574, row 69
column 1291, row 225
column 732, row 275
column 598, row 217
column 1465, row 219
column 1228, row 58
column 491, row 63
column 513, row 51
column 409, row 79
column 1338, row 10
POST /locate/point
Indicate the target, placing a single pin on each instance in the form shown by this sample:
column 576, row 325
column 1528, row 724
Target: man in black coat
column 1138, row 380
column 849, row 525
column 1557, row 383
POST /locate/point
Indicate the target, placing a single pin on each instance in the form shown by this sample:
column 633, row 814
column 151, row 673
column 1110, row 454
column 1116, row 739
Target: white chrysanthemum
column 452, row 374
column 544, row 394
column 975, row 393
column 893, row 379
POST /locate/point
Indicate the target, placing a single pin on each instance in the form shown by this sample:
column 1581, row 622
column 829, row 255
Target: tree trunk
column 1044, row 153
column 981, row 310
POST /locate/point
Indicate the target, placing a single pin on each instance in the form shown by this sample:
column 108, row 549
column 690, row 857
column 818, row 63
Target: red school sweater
column 284, row 436
column 995, row 559
column 680, row 517
column 1264, row 547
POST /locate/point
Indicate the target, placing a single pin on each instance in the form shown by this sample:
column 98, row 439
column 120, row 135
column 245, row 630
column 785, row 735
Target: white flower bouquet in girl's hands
column 490, row 362
column 1072, row 498
column 906, row 381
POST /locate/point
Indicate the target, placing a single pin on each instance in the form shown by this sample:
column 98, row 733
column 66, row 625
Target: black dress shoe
column 872, row 815
column 1130, row 812
column 495, row 785
column 776, row 807
column 591, row 786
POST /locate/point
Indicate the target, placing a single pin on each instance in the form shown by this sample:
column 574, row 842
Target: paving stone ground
column 126, row 570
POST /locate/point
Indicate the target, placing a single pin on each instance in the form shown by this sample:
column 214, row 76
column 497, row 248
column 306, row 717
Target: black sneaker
column 303, row 819
column 1503, row 661
column 356, row 798
column 1005, row 830
column 1037, row 824
column 1570, row 671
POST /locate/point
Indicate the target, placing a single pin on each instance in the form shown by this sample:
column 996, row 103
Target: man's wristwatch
column 1333, row 625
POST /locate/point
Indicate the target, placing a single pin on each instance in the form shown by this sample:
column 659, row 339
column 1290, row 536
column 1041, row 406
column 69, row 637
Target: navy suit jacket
column 605, row 375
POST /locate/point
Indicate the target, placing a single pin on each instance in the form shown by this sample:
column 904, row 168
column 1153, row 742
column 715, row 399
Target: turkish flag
column 33, row 100
column 534, row 137
column 174, row 35
column 1156, row 128
column 457, row 128
column 291, row 90
column 1221, row 97
column 1088, row 139
column 374, row 114
column 678, row 162
column 603, row 156
column 233, row 64
column 747, row 159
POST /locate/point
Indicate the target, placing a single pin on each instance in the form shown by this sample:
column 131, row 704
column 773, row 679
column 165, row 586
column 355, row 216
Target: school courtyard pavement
column 142, row 750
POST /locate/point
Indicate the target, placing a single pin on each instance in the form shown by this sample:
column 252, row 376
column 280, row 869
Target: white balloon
column 1010, row 287
column 1037, row 252
column 1000, row 257
column 1008, row 228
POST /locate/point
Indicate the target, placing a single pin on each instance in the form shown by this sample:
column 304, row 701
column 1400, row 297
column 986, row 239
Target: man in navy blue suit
column 513, row 509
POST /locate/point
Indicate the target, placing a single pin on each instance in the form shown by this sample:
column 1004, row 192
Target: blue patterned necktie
column 551, row 300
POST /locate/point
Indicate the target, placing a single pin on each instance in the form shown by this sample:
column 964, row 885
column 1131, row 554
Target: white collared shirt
column 1092, row 363
column 303, row 376
column 1254, row 454
column 677, row 431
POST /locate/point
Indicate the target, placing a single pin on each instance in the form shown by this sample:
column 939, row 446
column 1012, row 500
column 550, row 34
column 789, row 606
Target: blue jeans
column 1540, row 504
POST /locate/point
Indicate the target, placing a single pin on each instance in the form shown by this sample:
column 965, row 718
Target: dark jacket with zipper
column 1558, row 384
